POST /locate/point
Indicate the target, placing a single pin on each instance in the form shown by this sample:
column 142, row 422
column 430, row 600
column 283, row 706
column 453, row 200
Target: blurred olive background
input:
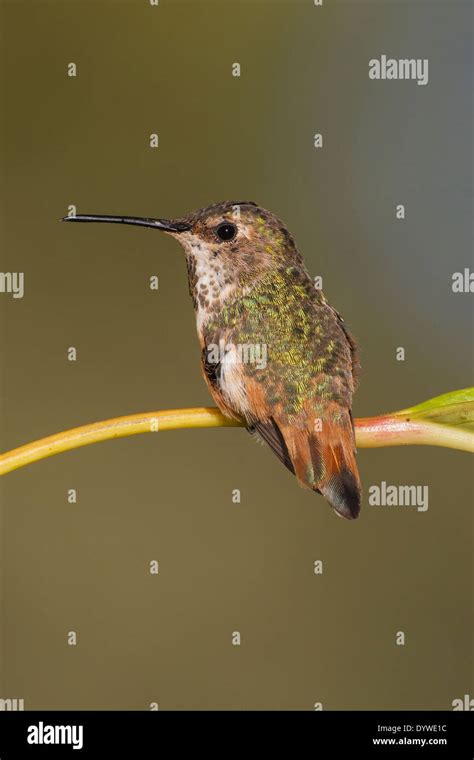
column 227, row 567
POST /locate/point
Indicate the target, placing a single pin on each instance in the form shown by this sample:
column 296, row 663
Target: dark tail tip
column 342, row 491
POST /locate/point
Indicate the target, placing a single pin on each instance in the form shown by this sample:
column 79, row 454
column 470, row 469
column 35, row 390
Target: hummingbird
column 250, row 287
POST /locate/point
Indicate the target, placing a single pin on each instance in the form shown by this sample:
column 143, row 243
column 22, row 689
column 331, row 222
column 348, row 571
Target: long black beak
column 167, row 225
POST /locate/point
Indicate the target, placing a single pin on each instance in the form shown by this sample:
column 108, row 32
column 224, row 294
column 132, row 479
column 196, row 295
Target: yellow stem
column 116, row 427
column 388, row 430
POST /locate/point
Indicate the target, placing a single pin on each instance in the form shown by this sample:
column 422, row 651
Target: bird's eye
column 226, row 231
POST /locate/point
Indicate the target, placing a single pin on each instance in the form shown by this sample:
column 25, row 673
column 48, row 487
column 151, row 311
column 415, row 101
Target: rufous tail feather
column 325, row 462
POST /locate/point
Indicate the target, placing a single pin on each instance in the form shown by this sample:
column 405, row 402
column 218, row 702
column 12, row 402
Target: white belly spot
column 231, row 383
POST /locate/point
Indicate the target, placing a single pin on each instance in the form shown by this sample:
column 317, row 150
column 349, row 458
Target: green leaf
column 453, row 409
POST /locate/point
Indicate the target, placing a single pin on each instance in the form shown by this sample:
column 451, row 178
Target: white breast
column 208, row 278
column 232, row 385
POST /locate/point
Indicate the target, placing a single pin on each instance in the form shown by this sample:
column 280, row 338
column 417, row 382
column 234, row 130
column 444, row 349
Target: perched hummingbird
column 250, row 287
